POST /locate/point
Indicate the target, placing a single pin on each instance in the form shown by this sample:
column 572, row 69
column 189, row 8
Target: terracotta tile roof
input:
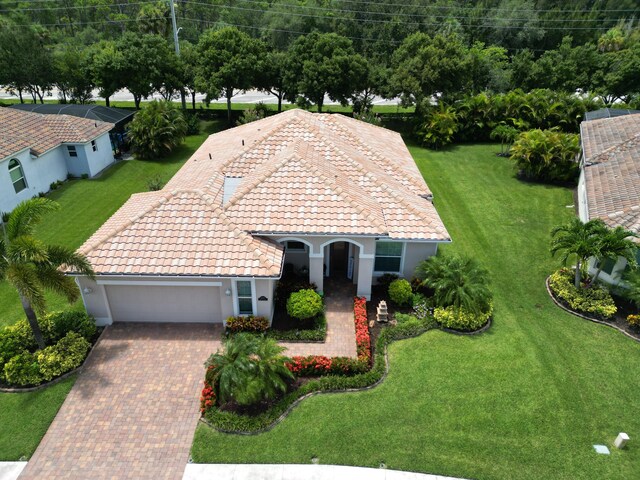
column 178, row 233
column 612, row 177
column 41, row 133
column 600, row 135
column 295, row 172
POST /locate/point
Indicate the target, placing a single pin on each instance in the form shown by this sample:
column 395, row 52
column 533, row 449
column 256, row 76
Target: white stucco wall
column 583, row 212
column 102, row 157
column 39, row 174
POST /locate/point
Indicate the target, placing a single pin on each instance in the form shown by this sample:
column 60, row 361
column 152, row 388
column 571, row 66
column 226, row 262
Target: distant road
column 249, row 96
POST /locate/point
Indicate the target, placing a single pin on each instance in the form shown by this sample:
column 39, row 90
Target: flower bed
column 250, row 323
column 593, row 301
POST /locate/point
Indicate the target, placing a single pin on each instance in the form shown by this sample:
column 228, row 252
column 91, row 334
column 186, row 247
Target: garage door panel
column 138, row 303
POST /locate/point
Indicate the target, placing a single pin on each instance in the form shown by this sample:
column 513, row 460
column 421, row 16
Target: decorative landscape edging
column 62, row 377
column 482, row 329
column 595, row 320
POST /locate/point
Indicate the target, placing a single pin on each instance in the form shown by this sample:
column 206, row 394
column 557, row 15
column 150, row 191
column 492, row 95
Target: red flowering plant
column 208, row 395
column 318, row 365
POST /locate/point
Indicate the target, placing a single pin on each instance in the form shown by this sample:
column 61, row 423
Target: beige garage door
column 164, row 304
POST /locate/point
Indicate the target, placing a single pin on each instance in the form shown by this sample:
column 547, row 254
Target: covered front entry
column 341, row 261
column 151, row 303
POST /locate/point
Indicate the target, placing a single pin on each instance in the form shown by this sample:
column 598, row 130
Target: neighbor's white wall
column 39, row 174
column 583, row 212
column 616, row 274
column 100, row 159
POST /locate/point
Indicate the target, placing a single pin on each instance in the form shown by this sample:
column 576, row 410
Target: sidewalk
column 195, row 471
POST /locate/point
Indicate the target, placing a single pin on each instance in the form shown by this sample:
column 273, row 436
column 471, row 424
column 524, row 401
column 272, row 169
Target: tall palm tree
column 458, row 281
column 579, row 239
column 32, row 267
column 250, row 369
column 616, row 242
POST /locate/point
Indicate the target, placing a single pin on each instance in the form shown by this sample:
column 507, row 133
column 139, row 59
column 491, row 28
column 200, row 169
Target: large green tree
column 157, row 129
column 72, row 74
column 107, row 67
column 270, row 75
column 228, row 61
column 33, row 267
column 322, row 64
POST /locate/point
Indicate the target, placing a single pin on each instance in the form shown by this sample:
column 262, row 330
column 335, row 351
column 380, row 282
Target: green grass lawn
column 25, row 418
column 86, row 204
column 526, row 400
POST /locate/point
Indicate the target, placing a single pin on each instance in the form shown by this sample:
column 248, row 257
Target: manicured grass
column 25, row 418
column 527, row 399
column 86, row 204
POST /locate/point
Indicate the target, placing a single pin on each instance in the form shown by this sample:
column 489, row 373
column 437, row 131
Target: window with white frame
column 388, row 257
column 245, row 297
column 17, row 175
column 94, row 146
column 72, row 150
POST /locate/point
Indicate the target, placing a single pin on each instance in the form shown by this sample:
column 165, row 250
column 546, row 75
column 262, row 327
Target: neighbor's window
column 245, row 299
column 388, row 257
column 94, row 145
column 608, row 265
column 72, row 150
column 295, row 246
column 17, row 175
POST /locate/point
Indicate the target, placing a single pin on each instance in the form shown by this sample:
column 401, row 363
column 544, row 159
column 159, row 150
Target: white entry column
column 365, row 275
column 316, row 269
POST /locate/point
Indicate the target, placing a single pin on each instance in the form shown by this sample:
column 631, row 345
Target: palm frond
column 76, row 262
column 27, row 249
column 24, row 279
column 53, row 279
column 24, row 218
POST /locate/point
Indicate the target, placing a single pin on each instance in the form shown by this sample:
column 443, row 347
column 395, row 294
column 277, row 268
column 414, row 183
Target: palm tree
column 250, row 369
column 632, row 286
column 579, row 239
column 458, row 281
column 32, row 267
column 157, row 129
column 616, row 243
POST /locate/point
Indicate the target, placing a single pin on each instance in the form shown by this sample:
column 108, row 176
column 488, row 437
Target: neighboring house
column 324, row 196
column 37, row 150
column 609, row 185
column 119, row 117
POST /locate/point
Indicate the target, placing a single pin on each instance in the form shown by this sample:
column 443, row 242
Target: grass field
column 525, row 400
column 86, row 204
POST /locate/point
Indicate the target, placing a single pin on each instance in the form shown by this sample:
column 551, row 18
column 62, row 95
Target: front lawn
column 86, row 204
column 527, row 399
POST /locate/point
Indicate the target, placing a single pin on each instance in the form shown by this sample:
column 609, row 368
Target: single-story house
column 37, row 150
column 609, row 185
column 119, row 117
column 324, row 196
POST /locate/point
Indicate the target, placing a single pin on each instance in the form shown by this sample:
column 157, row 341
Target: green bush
column 64, row 356
column 287, row 285
column 386, row 279
column 248, row 323
column 633, row 320
column 315, row 334
column 22, row 370
column 461, row 319
column 400, row 292
column 193, row 123
column 64, row 322
column 304, row 304
column 595, row 300
column 157, row 129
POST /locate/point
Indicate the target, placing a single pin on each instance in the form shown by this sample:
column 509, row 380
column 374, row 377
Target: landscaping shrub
column 386, row 279
column 64, row 356
column 304, row 304
column 461, row 319
column 287, row 285
column 595, row 300
column 315, row 334
column 155, row 183
column 61, row 323
column 157, row 129
column 363, row 340
column 207, row 397
column 23, row 369
column 400, row 292
column 634, row 321
column 193, row 123
column 249, row 323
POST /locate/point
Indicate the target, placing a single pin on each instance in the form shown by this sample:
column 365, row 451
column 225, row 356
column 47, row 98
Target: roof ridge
column 398, row 197
column 594, row 160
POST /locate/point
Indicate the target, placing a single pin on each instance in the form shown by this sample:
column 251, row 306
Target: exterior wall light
column 227, row 292
column 87, row 290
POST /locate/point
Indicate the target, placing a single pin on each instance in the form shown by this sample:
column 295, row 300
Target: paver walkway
column 341, row 330
column 133, row 411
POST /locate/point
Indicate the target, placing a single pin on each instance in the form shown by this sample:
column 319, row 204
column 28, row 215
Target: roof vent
column 231, row 184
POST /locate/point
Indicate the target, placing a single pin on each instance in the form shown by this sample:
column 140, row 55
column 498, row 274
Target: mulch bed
column 379, row 293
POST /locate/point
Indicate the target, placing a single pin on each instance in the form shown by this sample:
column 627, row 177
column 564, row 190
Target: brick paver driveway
column 134, row 408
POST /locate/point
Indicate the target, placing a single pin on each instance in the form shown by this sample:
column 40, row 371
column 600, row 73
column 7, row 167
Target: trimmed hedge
column 461, row 319
column 595, row 300
column 249, row 323
column 315, row 334
column 304, row 304
column 231, row 422
column 400, row 292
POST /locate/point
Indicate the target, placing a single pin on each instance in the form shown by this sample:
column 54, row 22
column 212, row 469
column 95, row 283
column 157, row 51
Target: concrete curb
column 11, row 470
column 203, row 471
column 594, row 320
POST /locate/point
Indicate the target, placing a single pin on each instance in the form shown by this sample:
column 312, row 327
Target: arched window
column 17, row 175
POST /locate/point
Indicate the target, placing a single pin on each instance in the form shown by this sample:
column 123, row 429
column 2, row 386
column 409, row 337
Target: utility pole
column 176, row 43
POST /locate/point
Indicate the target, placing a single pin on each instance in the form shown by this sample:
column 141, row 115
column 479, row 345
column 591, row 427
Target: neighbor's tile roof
column 20, row 130
column 612, row 176
column 600, row 135
column 299, row 173
column 178, row 233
